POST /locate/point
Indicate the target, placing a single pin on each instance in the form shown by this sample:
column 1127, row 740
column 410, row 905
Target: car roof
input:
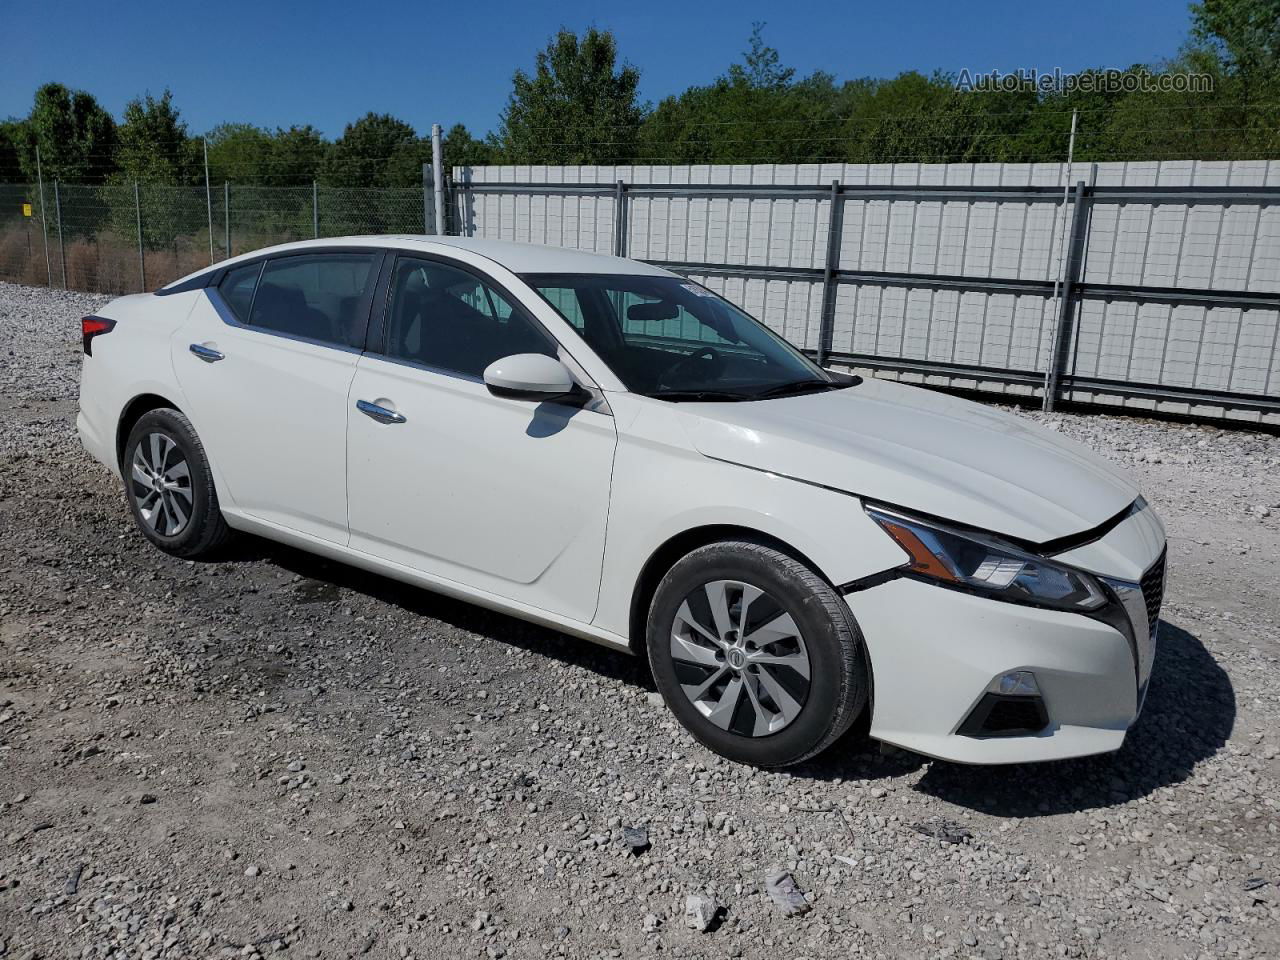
column 519, row 258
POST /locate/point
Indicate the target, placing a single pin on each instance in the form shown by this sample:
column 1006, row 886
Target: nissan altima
column 617, row 452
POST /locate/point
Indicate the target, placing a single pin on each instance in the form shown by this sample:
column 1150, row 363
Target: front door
column 506, row 496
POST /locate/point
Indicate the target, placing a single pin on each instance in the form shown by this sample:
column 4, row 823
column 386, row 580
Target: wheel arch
column 670, row 551
column 133, row 411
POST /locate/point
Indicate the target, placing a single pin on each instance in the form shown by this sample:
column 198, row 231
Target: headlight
column 987, row 565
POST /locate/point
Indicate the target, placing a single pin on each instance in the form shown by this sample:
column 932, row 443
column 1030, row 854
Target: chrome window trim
column 598, row 403
column 424, row 367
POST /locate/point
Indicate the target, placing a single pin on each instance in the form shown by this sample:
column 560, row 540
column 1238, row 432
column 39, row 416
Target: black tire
column 204, row 530
column 839, row 678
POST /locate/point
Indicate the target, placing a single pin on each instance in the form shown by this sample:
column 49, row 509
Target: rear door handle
column 380, row 413
column 207, row 354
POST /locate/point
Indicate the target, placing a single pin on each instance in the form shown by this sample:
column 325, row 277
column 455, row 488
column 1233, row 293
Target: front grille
column 1153, row 590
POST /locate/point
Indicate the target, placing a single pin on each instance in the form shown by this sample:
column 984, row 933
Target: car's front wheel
column 170, row 486
column 757, row 656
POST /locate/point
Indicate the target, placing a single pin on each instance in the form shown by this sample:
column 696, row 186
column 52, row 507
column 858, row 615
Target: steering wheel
column 707, row 355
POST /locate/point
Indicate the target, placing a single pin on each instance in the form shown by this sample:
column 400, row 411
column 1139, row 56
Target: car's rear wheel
column 757, row 656
column 170, row 486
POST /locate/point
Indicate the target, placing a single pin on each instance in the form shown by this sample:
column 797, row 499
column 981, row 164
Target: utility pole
column 208, row 196
column 44, row 222
column 437, row 176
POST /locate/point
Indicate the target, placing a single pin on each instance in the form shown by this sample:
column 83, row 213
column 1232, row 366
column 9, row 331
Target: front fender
column 656, row 498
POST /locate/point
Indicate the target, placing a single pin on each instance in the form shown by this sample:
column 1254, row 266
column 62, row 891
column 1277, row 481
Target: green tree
column 1238, row 43
column 754, row 113
column 75, row 136
column 461, row 149
column 376, row 151
column 762, row 66
column 578, row 106
column 239, row 153
column 156, row 151
column 915, row 118
column 1244, row 33
column 12, row 136
column 154, row 145
column 297, row 156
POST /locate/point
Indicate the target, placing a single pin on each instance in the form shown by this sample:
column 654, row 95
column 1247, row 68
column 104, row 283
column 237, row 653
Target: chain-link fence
column 132, row 236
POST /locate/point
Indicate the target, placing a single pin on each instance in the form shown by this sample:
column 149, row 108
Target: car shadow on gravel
column 324, row 578
column 1189, row 715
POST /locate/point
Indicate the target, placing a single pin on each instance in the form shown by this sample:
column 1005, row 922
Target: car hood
column 920, row 450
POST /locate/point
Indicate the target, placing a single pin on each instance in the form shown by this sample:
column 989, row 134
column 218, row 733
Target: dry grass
column 17, row 263
column 105, row 263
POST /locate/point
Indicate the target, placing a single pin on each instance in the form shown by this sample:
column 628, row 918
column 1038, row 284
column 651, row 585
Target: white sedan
column 612, row 450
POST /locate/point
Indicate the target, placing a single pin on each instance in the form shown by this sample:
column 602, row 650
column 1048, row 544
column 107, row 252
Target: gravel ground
column 275, row 753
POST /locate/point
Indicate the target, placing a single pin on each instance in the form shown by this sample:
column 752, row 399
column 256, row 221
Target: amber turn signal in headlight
column 985, row 564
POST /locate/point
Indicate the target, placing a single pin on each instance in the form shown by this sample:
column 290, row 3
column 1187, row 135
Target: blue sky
column 328, row 62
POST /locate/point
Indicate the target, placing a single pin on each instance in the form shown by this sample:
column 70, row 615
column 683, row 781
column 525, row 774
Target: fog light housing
column 1020, row 683
column 1011, row 707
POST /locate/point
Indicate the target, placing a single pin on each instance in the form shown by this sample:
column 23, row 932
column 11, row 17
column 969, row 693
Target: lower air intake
column 1003, row 716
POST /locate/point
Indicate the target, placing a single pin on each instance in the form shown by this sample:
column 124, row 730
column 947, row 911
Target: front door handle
column 207, row 354
column 378, row 412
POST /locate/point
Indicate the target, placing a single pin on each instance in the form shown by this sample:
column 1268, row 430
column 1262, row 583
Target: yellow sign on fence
column 26, row 209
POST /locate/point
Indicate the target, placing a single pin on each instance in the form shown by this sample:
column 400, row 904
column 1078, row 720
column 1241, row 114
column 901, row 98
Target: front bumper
column 935, row 652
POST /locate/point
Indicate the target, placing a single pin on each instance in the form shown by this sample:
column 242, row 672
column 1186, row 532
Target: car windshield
column 672, row 338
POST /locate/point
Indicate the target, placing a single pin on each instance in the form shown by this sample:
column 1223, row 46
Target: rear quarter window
column 237, row 289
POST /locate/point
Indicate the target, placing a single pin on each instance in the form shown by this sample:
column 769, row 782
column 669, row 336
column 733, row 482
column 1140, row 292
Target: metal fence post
column 426, row 196
column 620, row 219
column 62, row 249
column 44, row 223
column 208, row 196
column 226, row 216
column 315, row 209
column 142, row 257
column 827, row 318
column 1071, row 278
column 466, row 198
column 437, row 176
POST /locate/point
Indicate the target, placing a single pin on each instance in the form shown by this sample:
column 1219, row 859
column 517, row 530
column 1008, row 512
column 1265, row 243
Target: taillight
column 92, row 327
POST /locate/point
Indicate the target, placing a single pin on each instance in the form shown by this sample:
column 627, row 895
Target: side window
column 317, row 296
column 444, row 317
column 237, row 289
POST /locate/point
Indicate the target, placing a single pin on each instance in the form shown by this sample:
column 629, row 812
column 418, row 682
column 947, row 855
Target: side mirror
column 530, row 376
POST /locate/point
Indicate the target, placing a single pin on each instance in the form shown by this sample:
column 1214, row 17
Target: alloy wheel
column 161, row 480
column 740, row 658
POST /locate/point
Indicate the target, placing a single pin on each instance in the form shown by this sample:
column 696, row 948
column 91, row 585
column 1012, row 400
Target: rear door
column 266, row 360
column 507, row 496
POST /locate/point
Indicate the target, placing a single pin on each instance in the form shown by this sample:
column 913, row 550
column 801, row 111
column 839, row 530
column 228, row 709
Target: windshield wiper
column 798, row 387
column 694, row 396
